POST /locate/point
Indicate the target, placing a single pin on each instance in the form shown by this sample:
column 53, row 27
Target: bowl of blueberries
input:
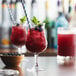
column 12, row 59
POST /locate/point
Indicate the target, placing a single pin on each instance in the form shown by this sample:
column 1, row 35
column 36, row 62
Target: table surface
column 47, row 52
column 50, row 64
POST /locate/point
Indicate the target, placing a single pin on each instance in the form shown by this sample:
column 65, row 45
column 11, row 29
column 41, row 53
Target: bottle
column 60, row 22
column 37, row 9
column 34, row 8
column 73, row 18
column 13, row 8
column 13, row 11
column 19, row 11
column 68, row 15
column 41, row 9
column 5, row 26
column 49, row 25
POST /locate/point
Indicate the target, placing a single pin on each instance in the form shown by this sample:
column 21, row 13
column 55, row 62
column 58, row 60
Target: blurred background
column 55, row 13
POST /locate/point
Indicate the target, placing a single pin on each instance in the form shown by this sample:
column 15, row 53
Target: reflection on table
column 50, row 64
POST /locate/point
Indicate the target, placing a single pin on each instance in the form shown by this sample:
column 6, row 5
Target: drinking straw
column 23, row 4
column 11, row 15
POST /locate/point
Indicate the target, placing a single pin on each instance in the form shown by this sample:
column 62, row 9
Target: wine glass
column 17, row 38
column 36, row 43
column 18, row 34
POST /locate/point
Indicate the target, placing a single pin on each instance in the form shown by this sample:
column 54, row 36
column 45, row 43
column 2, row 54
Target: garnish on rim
column 23, row 19
column 36, row 21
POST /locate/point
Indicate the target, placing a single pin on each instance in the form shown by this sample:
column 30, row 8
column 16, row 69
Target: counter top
column 47, row 52
column 50, row 64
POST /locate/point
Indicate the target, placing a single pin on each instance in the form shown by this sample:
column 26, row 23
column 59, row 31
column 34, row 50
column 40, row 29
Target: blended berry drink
column 66, row 44
column 18, row 36
column 36, row 41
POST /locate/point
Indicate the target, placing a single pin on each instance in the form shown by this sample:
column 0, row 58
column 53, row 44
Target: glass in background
column 66, row 45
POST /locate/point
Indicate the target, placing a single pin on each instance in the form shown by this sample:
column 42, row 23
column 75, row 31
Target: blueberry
column 17, row 24
column 40, row 29
column 36, row 28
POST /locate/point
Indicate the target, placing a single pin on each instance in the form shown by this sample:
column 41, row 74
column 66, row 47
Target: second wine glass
column 18, row 36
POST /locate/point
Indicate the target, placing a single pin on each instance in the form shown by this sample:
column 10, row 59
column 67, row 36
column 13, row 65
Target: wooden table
column 47, row 52
column 50, row 64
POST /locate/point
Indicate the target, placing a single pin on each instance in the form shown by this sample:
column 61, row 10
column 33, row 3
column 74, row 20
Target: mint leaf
column 35, row 21
column 46, row 20
column 23, row 19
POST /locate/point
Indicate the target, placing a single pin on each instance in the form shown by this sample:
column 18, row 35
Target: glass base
column 66, row 60
column 36, row 69
column 36, row 66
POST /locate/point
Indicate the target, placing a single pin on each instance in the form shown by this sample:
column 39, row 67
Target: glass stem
column 19, row 50
column 36, row 61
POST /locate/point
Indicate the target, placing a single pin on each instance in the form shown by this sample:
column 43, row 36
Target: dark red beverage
column 18, row 36
column 36, row 41
column 66, row 45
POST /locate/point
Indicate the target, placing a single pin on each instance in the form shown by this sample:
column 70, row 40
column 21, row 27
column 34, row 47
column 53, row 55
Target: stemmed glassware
column 18, row 34
column 36, row 42
column 18, row 37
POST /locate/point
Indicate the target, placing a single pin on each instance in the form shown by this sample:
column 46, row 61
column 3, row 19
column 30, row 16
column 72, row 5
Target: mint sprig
column 35, row 21
column 23, row 19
